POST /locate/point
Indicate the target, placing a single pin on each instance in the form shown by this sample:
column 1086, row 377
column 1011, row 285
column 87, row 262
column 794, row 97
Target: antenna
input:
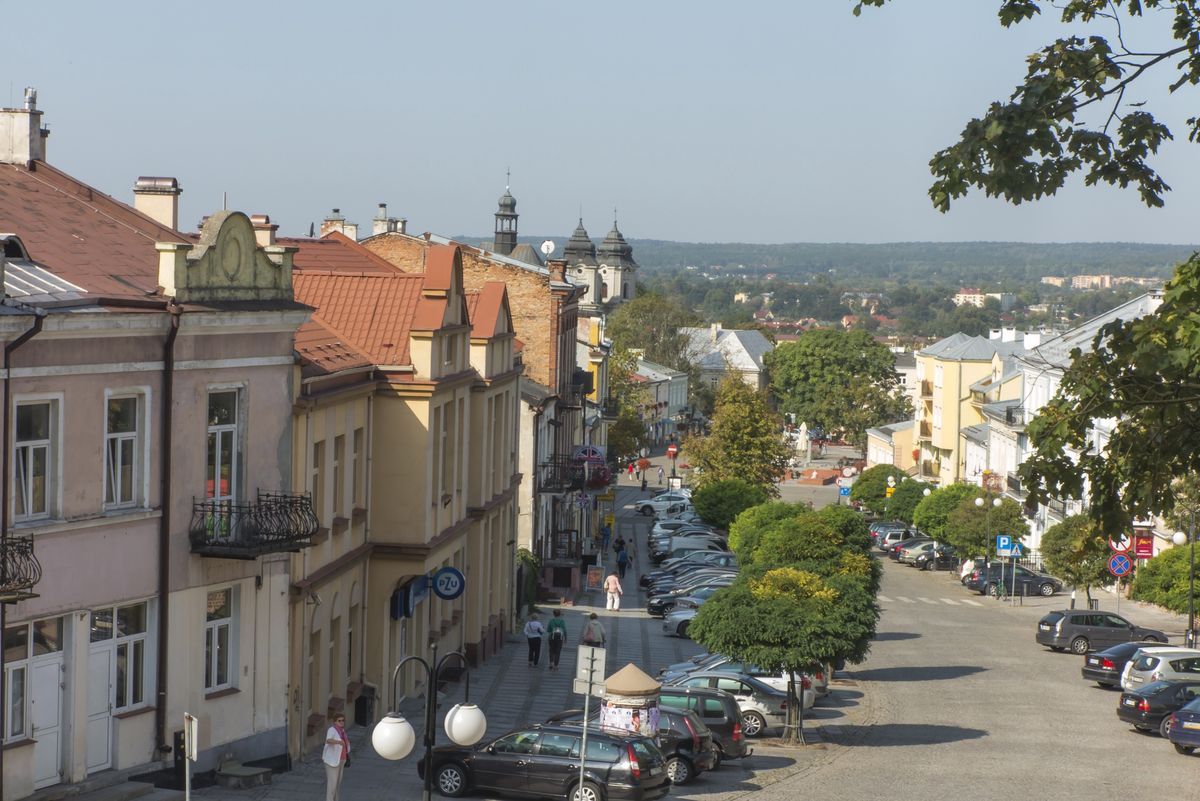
column 507, row 177
column 225, row 201
column 547, row 248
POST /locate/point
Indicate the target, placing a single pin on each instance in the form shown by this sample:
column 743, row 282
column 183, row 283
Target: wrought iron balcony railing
column 1014, row 485
column 19, row 569
column 274, row 523
column 1014, row 417
column 560, row 473
column 609, row 408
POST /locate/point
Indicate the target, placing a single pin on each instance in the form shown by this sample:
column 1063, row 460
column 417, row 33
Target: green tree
column 1163, row 580
column 850, row 527
column 1072, row 112
column 790, row 619
column 931, row 513
column 904, row 500
column 652, row 323
column 747, row 528
column 1076, row 551
column 972, row 529
column 721, row 501
column 745, row 440
column 803, row 538
column 626, row 436
column 870, row 488
column 840, row 380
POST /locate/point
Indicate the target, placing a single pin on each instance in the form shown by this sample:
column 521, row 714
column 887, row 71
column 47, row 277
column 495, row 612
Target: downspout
column 164, row 533
column 9, row 349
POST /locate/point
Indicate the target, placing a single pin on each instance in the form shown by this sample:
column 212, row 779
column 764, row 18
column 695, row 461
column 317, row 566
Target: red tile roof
column 322, row 351
column 373, row 312
column 487, row 310
column 80, row 233
column 330, row 252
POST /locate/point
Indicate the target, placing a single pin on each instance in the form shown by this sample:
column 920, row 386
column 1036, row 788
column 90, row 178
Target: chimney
column 158, row 199
column 22, row 139
column 383, row 224
column 558, row 270
column 336, row 222
column 264, row 230
column 716, row 331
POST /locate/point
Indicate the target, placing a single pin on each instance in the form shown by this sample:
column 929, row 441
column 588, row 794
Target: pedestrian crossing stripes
column 970, row 602
column 931, row 601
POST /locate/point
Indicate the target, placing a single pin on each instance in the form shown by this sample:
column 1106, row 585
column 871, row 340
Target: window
column 318, row 480
column 335, row 636
column 602, row 750
column 21, row 644
column 33, row 460
column 558, row 745
column 339, row 459
column 218, row 640
column 733, row 686
column 127, row 627
column 1186, row 665
column 356, row 468
column 122, row 467
column 520, row 742
column 223, row 446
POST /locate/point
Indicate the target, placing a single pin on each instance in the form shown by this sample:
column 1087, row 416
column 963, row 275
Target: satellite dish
column 547, row 248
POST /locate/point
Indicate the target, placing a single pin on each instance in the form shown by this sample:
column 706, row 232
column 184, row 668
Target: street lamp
column 987, row 524
column 394, row 738
column 1179, row 539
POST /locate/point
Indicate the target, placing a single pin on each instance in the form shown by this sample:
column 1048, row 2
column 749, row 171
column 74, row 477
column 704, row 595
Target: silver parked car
column 1160, row 664
column 762, row 705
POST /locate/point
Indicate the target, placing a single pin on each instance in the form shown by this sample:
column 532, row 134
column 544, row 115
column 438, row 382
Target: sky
column 763, row 121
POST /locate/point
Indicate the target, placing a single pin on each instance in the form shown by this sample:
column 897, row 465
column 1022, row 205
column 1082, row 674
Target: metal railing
column 1013, row 482
column 1014, row 416
column 560, row 473
column 20, row 569
column 274, row 522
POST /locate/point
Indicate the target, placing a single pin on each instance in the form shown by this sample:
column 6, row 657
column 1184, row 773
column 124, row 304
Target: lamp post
column 1179, row 539
column 987, row 525
column 393, row 737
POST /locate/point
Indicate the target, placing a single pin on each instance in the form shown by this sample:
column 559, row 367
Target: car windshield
column 1146, row 662
column 1155, row 687
column 1192, row 706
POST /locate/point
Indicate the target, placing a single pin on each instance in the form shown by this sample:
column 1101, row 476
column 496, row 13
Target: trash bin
column 364, row 707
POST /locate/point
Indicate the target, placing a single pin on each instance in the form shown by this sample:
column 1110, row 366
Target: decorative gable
column 227, row 264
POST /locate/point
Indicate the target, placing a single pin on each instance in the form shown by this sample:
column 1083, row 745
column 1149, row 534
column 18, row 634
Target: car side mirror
column 491, row 749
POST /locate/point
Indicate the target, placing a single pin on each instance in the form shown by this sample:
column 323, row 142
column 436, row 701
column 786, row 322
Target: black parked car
column 1083, row 630
column 1104, row 667
column 998, row 580
column 682, row 737
column 1149, row 708
column 720, row 712
column 542, row 761
column 943, row 557
column 660, row 605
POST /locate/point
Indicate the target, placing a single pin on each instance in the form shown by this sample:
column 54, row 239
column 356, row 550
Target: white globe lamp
column 1179, row 538
column 393, row 737
column 996, row 502
column 979, row 503
column 465, row 724
column 926, row 492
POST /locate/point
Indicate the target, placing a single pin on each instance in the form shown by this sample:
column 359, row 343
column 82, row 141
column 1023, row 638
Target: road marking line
column 906, row 600
column 950, row 601
column 884, row 598
column 927, row 601
column 972, row 603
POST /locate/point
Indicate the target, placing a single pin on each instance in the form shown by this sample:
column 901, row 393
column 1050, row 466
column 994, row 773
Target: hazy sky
column 703, row 121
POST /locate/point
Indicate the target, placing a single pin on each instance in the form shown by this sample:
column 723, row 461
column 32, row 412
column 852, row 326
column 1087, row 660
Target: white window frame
column 359, row 439
column 130, row 642
column 212, row 651
column 22, row 666
column 234, row 430
column 140, row 444
column 339, row 476
column 54, row 479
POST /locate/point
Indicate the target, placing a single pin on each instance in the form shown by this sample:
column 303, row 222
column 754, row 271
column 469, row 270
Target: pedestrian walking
column 605, row 536
column 619, row 543
column 534, row 630
column 557, row 631
column 612, row 585
column 593, row 632
column 660, row 475
column 622, row 562
column 631, row 471
column 336, row 756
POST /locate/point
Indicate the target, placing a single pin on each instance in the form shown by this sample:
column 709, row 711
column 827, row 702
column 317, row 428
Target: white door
column 45, row 711
column 101, row 663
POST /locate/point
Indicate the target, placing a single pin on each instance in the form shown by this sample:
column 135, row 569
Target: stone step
column 163, row 795
column 120, row 791
column 234, row 774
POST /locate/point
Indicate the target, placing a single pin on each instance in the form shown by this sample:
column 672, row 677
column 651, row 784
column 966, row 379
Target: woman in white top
column 533, row 635
column 335, row 756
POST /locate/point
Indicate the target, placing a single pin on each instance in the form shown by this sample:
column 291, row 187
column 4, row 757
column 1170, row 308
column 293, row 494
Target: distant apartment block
column 1092, row 281
column 1054, row 280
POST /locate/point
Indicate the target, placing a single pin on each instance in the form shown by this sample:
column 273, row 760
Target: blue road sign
column 449, row 583
column 1119, row 564
column 844, row 492
column 1014, row 549
column 1003, row 542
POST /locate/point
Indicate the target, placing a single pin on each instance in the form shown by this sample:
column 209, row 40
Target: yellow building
column 955, row 377
column 407, row 436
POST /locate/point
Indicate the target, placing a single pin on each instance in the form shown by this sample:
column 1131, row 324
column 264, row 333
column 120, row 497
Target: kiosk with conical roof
column 631, row 702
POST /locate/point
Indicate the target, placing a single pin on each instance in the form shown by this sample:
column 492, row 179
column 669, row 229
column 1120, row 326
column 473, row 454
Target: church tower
column 617, row 268
column 506, row 224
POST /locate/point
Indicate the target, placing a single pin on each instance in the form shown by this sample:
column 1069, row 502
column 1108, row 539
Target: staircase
column 111, row 785
column 232, row 773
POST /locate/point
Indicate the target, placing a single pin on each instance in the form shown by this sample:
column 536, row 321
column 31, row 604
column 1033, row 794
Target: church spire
column 506, row 221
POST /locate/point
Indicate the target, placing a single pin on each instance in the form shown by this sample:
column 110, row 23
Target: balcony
column 560, row 473
column 926, row 388
column 1014, row 417
column 1057, row 507
column 926, row 429
column 275, row 522
column 1014, row 485
column 931, row 468
column 19, row 569
column 609, row 408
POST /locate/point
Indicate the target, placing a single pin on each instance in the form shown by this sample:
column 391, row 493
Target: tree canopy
column 745, row 440
column 652, row 323
column 747, row 528
column 1075, row 111
column 838, row 380
column 931, row 513
column 904, row 500
column 719, row 502
column 972, row 529
column 1163, row 580
column 870, row 488
column 1076, row 551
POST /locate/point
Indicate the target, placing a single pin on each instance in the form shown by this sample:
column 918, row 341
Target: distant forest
column 965, row 263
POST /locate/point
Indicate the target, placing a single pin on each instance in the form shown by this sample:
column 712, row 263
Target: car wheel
column 1079, row 645
column 681, row 629
column 1046, row 589
column 679, row 770
column 993, row 590
column 753, row 724
column 1056, row 648
column 719, row 756
column 1164, row 728
column 929, row 565
column 451, row 780
column 1151, row 638
column 1183, row 749
column 586, row 792
column 647, row 510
